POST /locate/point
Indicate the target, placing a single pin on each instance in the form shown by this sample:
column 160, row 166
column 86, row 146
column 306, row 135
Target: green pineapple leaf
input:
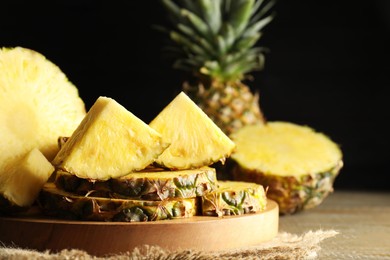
column 240, row 18
column 217, row 35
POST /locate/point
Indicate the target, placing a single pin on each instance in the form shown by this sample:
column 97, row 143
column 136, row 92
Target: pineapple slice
column 58, row 203
column 110, row 142
column 195, row 140
column 298, row 164
column 21, row 183
column 234, row 198
column 37, row 104
column 150, row 184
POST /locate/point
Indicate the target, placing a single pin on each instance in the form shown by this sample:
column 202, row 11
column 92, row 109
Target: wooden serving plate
column 103, row 238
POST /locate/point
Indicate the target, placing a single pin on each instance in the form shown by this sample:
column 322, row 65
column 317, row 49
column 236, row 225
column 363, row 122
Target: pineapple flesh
column 110, row 142
column 296, row 163
column 20, row 185
column 195, row 140
column 37, row 104
column 215, row 42
column 58, row 203
column 149, row 184
column 234, row 198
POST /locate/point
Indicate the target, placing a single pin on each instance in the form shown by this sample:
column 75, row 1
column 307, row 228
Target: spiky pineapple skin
column 234, row 198
column 293, row 195
column 149, row 184
column 298, row 164
column 230, row 105
column 61, row 204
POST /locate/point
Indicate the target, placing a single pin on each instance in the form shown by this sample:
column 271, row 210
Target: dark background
column 328, row 66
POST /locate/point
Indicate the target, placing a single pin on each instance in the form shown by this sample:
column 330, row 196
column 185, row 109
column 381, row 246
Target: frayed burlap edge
column 283, row 246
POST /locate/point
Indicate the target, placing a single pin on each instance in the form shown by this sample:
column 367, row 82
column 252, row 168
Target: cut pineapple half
column 234, row 198
column 285, row 149
column 151, row 184
column 296, row 163
column 110, row 142
column 37, row 104
column 22, row 182
column 195, row 139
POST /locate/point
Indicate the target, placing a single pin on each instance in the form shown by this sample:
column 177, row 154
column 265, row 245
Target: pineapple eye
column 134, row 214
column 178, row 209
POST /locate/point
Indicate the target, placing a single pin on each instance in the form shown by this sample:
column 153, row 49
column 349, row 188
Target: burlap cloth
column 283, row 246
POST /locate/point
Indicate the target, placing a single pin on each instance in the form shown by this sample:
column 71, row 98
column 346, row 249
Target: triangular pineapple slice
column 110, row 142
column 37, row 104
column 22, row 182
column 195, row 139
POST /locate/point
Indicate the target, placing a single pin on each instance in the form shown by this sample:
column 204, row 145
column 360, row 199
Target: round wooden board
column 103, row 238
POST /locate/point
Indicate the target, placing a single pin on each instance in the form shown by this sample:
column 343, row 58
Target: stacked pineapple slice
column 114, row 167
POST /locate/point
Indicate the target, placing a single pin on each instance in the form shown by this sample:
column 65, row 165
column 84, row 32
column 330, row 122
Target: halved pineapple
column 234, row 198
column 20, row 184
column 195, row 139
column 58, row 203
column 151, row 184
column 37, row 104
column 296, row 163
column 110, row 142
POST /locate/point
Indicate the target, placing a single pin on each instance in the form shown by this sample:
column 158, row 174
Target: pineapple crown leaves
column 215, row 39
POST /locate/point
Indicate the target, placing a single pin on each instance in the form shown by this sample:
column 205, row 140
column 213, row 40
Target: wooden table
column 361, row 218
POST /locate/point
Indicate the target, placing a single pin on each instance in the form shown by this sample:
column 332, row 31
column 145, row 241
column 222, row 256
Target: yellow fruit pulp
column 285, row 149
column 37, row 104
column 22, row 182
column 195, row 139
column 110, row 142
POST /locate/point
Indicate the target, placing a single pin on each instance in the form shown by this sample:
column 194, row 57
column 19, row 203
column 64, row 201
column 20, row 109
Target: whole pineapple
column 215, row 40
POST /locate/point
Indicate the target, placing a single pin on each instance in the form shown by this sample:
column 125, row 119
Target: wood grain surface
column 102, row 238
column 362, row 219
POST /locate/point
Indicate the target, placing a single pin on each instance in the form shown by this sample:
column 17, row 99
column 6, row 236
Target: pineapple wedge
column 20, row 184
column 37, row 104
column 149, row 184
column 234, row 198
column 110, row 142
column 297, row 164
column 195, row 140
column 58, row 203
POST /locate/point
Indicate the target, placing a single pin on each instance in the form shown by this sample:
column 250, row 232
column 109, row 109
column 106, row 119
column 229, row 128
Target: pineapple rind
column 61, row 204
column 195, row 140
column 110, row 142
column 21, row 184
column 297, row 164
column 234, row 198
column 230, row 105
column 150, row 184
column 293, row 195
